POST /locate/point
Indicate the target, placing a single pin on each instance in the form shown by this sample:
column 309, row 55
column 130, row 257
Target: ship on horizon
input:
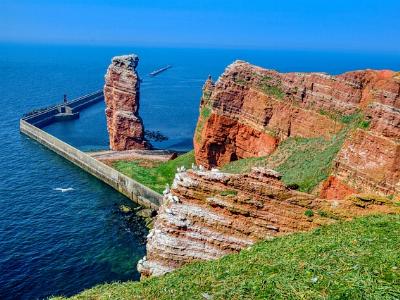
column 158, row 71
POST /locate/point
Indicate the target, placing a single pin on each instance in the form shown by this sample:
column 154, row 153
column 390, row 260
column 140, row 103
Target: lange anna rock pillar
column 121, row 93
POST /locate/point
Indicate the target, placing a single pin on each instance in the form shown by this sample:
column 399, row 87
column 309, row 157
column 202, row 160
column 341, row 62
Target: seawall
column 122, row 183
column 47, row 116
column 127, row 186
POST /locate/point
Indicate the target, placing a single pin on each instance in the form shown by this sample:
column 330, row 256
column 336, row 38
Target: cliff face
column 367, row 162
column 250, row 110
column 208, row 214
column 121, row 92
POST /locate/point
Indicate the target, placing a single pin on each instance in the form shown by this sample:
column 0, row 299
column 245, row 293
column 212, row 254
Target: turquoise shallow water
column 60, row 243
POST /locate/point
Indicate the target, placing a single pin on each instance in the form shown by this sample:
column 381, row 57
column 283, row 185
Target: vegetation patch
column 205, row 113
column 356, row 120
column 271, row 88
column 346, row 260
column 309, row 213
column 239, row 81
column 347, row 119
column 303, row 162
column 323, row 213
column 308, row 160
column 364, row 124
column 243, row 165
column 155, row 175
column 363, row 200
column 228, row 193
column 207, row 95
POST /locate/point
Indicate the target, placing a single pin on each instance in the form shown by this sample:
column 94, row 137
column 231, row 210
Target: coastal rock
column 208, row 214
column 121, row 93
column 368, row 162
column 249, row 111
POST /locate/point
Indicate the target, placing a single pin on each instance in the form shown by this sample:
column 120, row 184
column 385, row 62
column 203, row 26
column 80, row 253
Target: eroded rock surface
column 247, row 113
column 250, row 110
column 367, row 162
column 208, row 214
column 121, row 93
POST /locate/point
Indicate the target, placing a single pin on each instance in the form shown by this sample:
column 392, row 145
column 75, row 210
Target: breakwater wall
column 132, row 189
column 124, row 184
column 48, row 115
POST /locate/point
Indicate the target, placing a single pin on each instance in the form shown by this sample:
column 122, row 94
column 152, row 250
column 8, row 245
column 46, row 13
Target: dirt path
column 109, row 156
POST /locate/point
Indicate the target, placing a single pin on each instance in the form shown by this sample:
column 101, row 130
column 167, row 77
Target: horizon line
column 200, row 47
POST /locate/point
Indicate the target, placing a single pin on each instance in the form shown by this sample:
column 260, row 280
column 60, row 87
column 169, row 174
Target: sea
column 60, row 243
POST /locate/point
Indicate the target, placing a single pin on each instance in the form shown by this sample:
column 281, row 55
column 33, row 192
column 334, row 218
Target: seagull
column 63, row 190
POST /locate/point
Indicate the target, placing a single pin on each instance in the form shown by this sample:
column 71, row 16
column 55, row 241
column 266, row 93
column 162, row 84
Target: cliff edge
column 209, row 214
column 344, row 130
column 249, row 111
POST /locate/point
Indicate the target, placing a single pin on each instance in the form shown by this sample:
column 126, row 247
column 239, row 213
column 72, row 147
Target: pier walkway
column 31, row 124
column 48, row 115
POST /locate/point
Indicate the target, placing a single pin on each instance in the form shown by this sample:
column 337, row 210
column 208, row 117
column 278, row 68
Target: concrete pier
column 30, row 125
column 64, row 111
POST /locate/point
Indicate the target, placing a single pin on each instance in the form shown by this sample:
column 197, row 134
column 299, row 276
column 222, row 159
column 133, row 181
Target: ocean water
column 55, row 243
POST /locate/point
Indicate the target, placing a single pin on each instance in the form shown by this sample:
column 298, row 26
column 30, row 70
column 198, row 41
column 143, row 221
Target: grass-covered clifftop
column 304, row 162
column 153, row 174
column 348, row 260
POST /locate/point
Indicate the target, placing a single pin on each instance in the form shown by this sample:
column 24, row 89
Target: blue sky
column 291, row 24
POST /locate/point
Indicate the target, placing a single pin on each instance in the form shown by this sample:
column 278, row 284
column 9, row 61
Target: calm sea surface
column 61, row 243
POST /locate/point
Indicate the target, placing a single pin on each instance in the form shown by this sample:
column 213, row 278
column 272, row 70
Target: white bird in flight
column 63, row 190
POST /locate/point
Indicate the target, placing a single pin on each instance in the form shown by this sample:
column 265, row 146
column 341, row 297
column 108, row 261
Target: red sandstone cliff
column 247, row 113
column 250, row 110
column 208, row 214
column 121, row 93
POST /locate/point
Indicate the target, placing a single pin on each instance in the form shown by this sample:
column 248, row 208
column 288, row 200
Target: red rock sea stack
column 121, row 93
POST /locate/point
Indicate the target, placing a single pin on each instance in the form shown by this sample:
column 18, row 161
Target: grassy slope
column 205, row 113
column 154, row 175
column 302, row 161
column 349, row 260
column 305, row 162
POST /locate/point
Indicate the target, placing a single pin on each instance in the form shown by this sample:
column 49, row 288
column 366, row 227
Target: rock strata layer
column 208, row 214
column 121, row 93
column 250, row 110
column 247, row 113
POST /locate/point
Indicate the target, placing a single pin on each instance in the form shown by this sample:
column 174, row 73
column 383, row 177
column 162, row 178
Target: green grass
column 309, row 213
column 205, row 113
column 243, row 165
column 364, row 124
column 240, row 81
column 356, row 119
column 347, row 119
column 309, row 161
column 303, row 162
column 154, row 175
column 348, row 260
column 271, row 89
column 229, row 193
